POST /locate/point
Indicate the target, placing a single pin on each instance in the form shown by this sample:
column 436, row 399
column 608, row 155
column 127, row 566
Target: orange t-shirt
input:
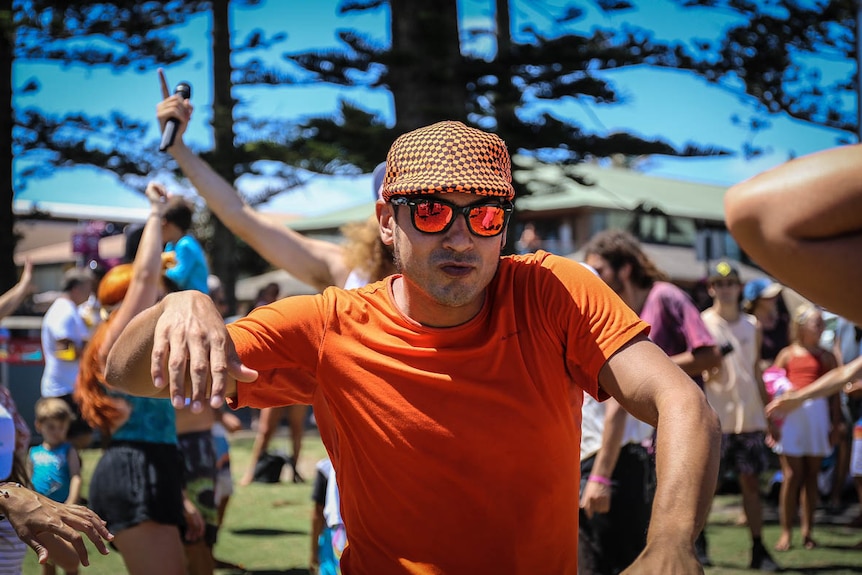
column 456, row 449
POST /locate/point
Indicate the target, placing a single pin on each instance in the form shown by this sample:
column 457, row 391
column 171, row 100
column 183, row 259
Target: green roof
column 554, row 188
column 332, row 220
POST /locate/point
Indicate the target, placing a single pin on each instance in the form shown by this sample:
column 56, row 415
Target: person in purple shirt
column 676, row 327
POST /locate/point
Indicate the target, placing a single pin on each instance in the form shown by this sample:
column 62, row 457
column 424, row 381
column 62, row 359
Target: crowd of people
column 595, row 399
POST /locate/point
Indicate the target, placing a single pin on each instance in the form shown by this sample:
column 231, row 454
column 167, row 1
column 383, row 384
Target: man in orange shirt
column 448, row 395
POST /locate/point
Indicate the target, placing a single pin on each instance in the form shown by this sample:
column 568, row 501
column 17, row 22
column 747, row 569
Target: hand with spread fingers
column 54, row 530
column 195, row 345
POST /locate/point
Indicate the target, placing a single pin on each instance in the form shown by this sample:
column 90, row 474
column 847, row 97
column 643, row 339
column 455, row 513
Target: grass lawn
column 266, row 528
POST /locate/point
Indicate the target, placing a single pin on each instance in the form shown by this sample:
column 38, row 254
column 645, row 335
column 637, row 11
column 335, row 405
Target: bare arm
column 10, row 300
column 697, row 361
column 146, row 269
column 74, row 461
column 802, row 222
column 650, row 387
column 53, row 529
column 827, row 384
column 596, row 497
column 181, row 337
column 318, row 263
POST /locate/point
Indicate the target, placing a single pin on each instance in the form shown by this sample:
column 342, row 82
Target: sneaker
column 761, row 560
column 700, row 550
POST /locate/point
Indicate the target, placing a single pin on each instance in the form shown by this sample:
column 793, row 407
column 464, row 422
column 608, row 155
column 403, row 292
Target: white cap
column 7, row 443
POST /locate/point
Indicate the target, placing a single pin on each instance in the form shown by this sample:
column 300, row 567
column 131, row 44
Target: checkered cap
column 448, row 157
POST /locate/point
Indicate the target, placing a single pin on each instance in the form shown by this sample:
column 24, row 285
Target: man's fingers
column 40, row 550
column 164, row 82
column 158, row 360
column 203, row 359
column 177, row 366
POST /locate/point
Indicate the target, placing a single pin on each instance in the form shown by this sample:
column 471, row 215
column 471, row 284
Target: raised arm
column 10, row 300
column 802, row 222
column 318, row 263
column 649, row 386
column 146, row 270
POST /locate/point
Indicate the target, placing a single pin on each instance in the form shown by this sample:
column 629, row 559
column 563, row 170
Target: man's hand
column 53, row 529
column 190, row 335
column 596, row 498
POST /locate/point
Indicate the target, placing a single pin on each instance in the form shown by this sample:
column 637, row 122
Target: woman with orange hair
column 137, row 484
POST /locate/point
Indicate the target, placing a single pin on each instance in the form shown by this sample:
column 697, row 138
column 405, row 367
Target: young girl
column 55, row 464
column 805, row 433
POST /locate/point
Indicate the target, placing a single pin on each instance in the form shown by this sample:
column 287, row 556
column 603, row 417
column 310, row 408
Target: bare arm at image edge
column 802, row 222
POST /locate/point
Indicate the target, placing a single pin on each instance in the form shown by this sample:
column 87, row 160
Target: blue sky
column 669, row 104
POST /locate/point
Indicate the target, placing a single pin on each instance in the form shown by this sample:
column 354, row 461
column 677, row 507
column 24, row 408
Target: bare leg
column 751, row 503
column 811, row 466
column 791, row 467
column 137, row 545
column 842, row 468
column 200, row 558
column 296, row 417
column 267, row 426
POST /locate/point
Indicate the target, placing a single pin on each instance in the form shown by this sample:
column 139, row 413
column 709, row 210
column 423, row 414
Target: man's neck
column 730, row 313
column 635, row 297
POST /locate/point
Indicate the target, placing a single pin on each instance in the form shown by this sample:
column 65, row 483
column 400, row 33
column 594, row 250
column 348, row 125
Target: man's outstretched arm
column 178, row 348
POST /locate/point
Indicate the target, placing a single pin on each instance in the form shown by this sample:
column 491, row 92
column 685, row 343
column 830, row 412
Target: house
column 681, row 224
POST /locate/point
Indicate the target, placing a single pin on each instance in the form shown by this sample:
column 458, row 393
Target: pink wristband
column 599, row 479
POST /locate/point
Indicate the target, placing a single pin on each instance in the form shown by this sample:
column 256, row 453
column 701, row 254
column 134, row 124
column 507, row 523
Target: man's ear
column 386, row 222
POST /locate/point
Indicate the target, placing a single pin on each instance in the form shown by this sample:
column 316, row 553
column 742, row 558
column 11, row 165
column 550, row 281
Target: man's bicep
column 637, row 375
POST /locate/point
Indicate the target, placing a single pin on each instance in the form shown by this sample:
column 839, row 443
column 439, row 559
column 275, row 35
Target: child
column 56, row 466
column 805, row 433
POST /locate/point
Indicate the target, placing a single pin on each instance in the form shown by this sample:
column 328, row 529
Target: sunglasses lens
column 431, row 217
column 487, row 220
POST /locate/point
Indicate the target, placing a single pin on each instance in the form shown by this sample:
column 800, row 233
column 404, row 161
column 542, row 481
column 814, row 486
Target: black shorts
column 79, row 425
column 744, row 452
column 198, row 452
column 136, row 482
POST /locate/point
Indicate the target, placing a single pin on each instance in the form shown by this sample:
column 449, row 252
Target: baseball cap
column 760, row 288
column 377, row 180
column 723, row 269
column 448, row 157
column 7, row 443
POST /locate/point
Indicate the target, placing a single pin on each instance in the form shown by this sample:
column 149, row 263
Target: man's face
column 448, row 270
column 81, row 292
column 605, row 271
column 725, row 290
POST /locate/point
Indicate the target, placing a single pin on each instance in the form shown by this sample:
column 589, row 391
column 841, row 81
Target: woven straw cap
column 448, row 157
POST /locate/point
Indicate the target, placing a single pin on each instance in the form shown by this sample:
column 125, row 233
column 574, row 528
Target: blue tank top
column 51, row 471
column 152, row 421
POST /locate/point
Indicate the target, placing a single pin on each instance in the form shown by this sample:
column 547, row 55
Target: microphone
column 184, row 89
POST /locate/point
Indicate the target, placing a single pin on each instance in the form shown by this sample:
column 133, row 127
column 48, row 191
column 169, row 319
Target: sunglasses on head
column 434, row 216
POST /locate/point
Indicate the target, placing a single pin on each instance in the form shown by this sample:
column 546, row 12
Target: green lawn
column 266, row 528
